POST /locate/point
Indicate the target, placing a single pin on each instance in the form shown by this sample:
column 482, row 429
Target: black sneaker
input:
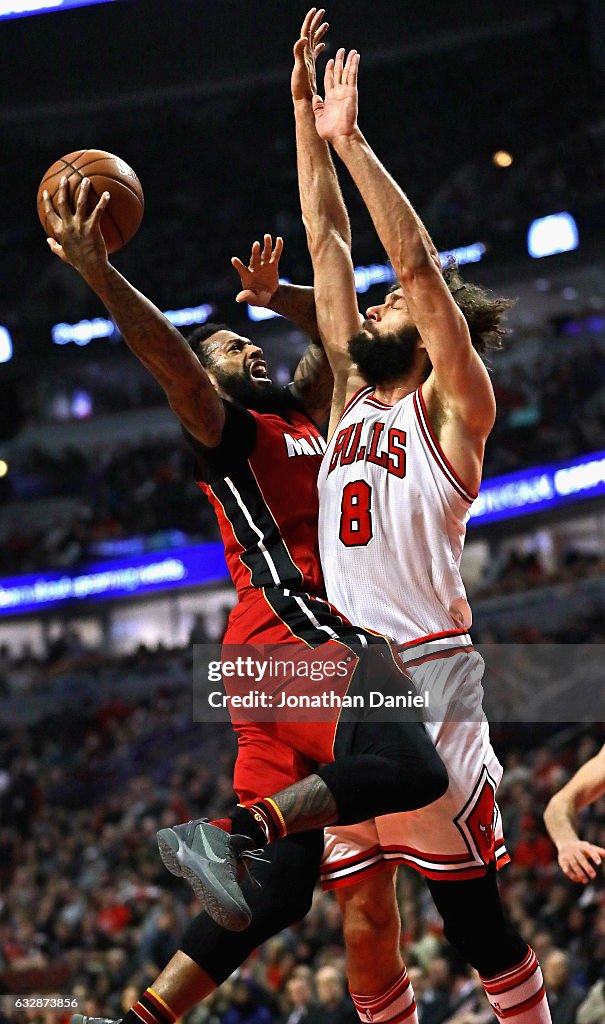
column 208, row 858
column 79, row 1018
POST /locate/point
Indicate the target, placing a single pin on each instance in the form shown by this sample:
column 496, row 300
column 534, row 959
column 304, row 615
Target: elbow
column 414, row 262
column 323, row 235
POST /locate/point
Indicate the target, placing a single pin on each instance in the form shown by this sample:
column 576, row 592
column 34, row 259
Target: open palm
column 336, row 115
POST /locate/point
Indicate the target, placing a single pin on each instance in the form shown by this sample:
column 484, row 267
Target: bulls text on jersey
column 386, row 450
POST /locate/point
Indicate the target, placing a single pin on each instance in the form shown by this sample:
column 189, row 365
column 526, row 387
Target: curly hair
column 482, row 311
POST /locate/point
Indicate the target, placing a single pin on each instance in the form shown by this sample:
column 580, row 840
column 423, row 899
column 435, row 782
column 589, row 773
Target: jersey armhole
column 436, row 451
column 236, row 445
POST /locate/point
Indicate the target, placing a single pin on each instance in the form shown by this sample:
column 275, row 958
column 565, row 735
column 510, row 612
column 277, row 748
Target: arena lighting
column 3, row 468
column 6, row 345
column 553, row 234
column 540, row 488
column 383, row 273
column 22, row 8
column 124, row 578
column 86, row 331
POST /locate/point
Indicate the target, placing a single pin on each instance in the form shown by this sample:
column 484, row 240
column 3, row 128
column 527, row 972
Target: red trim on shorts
column 327, row 884
column 436, row 655
column 430, row 636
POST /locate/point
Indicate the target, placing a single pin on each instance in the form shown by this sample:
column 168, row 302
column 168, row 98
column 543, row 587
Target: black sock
column 261, row 821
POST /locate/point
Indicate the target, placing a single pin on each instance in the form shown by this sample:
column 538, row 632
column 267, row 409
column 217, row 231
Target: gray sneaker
column 208, row 858
column 79, row 1018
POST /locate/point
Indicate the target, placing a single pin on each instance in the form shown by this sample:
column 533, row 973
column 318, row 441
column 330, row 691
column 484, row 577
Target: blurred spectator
column 334, row 1003
column 299, row 996
column 248, row 1004
column 563, row 997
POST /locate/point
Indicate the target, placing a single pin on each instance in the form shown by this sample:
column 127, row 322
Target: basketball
column 107, row 173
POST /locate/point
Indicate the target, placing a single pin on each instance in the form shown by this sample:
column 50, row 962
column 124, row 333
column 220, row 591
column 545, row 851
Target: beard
column 261, row 396
column 384, row 359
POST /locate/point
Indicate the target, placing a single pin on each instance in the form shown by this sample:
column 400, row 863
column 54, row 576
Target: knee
column 370, row 916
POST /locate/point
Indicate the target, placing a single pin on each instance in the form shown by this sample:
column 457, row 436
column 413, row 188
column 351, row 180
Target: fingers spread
column 306, row 25
column 349, row 73
column 329, row 76
column 338, row 66
column 267, row 247
column 82, row 198
column 254, row 256
column 63, row 204
column 279, row 246
column 56, row 248
column 51, row 217
column 99, row 209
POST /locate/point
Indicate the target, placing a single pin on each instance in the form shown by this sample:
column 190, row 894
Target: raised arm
column 459, row 375
column 576, row 857
column 313, row 380
column 261, row 286
column 323, row 209
column 154, row 340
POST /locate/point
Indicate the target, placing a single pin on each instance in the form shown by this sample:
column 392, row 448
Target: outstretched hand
column 336, row 114
column 260, row 279
column 77, row 237
column 306, row 51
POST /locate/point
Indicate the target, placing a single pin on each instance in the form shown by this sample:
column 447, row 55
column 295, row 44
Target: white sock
column 393, row 1006
column 517, row 996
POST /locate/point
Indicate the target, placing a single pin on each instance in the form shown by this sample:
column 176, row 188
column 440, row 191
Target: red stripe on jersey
column 436, row 450
column 353, row 401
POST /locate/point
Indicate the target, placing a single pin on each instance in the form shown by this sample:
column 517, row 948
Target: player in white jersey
column 401, row 470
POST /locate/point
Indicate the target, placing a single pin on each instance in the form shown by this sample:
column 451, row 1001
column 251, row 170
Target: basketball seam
column 122, row 182
column 75, row 170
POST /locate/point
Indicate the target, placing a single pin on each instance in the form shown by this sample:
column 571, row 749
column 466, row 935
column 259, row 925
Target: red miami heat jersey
column 392, row 522
column 262, row 483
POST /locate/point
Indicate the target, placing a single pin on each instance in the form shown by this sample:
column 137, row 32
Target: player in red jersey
column 370, row 768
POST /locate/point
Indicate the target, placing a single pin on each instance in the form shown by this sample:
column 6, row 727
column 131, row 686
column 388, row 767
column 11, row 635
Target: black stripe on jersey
column 313, row 621
column 255, row 529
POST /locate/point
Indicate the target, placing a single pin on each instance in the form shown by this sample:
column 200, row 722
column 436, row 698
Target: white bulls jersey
column 392, row 520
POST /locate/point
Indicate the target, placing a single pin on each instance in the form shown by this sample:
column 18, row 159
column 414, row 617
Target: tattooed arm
column 154, row 340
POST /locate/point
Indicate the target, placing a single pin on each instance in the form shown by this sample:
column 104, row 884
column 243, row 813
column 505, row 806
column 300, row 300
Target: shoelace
column 255, row 856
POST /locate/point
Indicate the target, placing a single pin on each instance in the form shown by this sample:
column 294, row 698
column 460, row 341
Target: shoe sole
column 211, row 894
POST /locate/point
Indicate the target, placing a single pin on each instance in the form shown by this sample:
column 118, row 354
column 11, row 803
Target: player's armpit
column 313, row 383
column 346, row 385
column 458, row 373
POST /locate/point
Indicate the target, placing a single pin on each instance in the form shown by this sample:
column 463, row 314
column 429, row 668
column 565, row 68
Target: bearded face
column 245, row 389
column 384, row 357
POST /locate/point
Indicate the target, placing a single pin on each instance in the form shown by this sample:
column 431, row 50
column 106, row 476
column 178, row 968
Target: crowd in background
column 146, row 489
column 88, row 909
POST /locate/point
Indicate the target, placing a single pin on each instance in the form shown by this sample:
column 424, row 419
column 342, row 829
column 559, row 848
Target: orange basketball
column 107, row 173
